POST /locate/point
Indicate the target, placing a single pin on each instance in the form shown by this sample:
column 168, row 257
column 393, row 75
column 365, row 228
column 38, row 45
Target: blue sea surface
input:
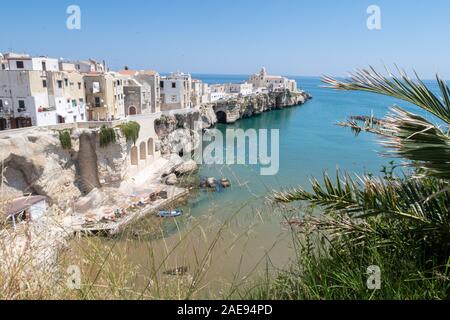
column 311, row 143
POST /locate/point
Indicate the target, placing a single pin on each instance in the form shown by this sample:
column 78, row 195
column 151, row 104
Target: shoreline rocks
column 213, row 183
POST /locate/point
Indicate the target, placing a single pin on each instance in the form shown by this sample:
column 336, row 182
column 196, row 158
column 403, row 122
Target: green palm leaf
column 402, row 87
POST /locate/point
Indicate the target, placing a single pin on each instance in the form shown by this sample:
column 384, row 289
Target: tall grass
column 328, row 268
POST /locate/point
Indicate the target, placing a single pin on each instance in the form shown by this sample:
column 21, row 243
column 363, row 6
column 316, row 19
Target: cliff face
column 34, row 162
column 174, row 130
column 229, row 111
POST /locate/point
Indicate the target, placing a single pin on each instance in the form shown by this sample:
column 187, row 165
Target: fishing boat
column 170, row 214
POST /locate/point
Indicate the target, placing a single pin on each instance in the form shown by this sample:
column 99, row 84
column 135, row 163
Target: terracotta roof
column 128, row 72
column 20, row 204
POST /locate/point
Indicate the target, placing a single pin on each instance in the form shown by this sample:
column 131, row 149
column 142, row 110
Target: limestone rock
column 186, row 168
column 174, row 161
column 171, row 179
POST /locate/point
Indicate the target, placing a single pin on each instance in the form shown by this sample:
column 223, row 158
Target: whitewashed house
column 218, row 92
column 176, row 91
column 243, row 89
column 34, row 92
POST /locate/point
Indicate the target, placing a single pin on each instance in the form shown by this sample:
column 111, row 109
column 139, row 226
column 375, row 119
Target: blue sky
column 291, row 37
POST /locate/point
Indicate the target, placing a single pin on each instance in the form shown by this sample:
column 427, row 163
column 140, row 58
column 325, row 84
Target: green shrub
column 65, row 139
column 131, row 131
column 107, row 136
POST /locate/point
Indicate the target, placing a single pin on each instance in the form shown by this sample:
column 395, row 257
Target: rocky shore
column 87, row 184
column 173, row 129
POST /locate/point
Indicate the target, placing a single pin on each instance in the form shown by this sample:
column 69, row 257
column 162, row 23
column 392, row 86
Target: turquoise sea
column 233, row 235
column 310, row 143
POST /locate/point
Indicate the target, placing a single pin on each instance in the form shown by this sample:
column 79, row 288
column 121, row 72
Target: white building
column 91, row 65
column 33, row 92
column 201, row 93
column 24, row 62
column 66, row 93
column 218, row 92
column 176, row 91
column 272, row 83
column 243, row 89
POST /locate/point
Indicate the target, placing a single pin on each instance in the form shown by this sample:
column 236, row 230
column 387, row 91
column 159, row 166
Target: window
column 82, row 117
column 20, row 65
column 3, row 66
column 161, row 84
column 81, row 100
column 1, row 104
column 60, row 84
column 44, row 83
column 74, row 118
column 74, row 103
column 66, row 82
column 174, row 85
column 21, row 105
column 97, row 102
column 79, row 85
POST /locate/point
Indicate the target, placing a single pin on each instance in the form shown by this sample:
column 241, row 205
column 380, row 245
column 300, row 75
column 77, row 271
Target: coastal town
column 87, row 150
column 43, row 91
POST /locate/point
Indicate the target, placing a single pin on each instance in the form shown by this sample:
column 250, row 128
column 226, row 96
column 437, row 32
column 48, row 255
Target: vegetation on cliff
column 131, row 130
column 107, row 136
column 398, row 223
column 65, row 139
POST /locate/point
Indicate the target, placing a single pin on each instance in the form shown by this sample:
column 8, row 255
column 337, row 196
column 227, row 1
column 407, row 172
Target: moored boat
column 170, row 214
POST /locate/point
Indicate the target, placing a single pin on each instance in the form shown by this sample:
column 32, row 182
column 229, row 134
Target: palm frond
column 409, row 136
column 370, row 196
column 400, row 87
column 413, row 137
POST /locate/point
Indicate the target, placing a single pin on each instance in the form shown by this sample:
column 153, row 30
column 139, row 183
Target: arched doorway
column 134, row 156
column 142, row 151
column 132, row 111
column 221, row 117
column 150, row 147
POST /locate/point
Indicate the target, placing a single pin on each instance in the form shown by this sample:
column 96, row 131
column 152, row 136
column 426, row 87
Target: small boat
column 170, row 214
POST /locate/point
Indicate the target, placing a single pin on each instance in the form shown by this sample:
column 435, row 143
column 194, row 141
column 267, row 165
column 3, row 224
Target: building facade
column 138, row 98
column 152, row 80
column 34, row 92
column 105, row 96
column 217, row 92
column 243, row 89
column 272, row 83
column 176, row 90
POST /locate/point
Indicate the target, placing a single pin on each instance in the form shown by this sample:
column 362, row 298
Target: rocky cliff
column 34, row 162
column 174, row 130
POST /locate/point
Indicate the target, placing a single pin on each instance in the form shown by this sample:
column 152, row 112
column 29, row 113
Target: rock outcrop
column 177, row 132
column 34, row 162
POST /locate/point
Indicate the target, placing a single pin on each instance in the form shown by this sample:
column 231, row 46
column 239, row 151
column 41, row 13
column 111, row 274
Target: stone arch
column 150, row 147
column 134, row 156
column 132, row 111
column 221, row 116
column 143, row 151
